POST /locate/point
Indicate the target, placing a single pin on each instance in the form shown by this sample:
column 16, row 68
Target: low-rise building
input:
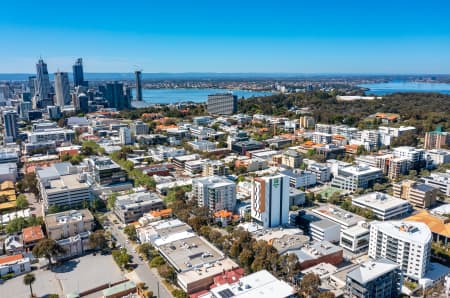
column 291, row 158
column 339, row 216
column 15, row 264
column 299, row 178
column 439, row 181
column 68, row 223
column 383, row 205
column 418, row 194
column 319, row 252
column 31, row 236
column 131, row 207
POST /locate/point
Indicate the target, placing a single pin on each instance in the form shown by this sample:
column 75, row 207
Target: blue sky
column 380, row 36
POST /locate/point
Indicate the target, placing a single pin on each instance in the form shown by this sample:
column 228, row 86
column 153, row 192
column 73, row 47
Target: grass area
column 327, row 192
column 410, row 285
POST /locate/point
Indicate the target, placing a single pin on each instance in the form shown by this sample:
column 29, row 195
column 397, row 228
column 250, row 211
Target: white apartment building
column 214, row 192
column 440, row 181
column 414, row 155
column 125, row 136
column 270, row 200
column 299, row 178
column 324, row 230
column 322, row 172
column 438, row 156
column 383, row 205
column 405, row 243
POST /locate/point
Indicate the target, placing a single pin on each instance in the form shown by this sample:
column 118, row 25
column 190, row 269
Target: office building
column 69, row 223
column 54, row 112
column 42, row 88
column 129, row 208
column 270, row 200
column 139, row 128
column 384, row 206
column 114, row 94
column 57, row 135
column 31, row 86
column 62, row 89
column 358, row 176
column 379, row 278
column 324, row 230
column 222, row 104
column 215, row 193
column 356, row 238
column 125, row 136
column 10, row 126
column 417, row 194
column 24, row 108
column 83, row 103
column 405, row 243
column 105, row 171
column 321, row 171
column 319, row 252
column 138, row 79
column 78, row 74
column 339, row 216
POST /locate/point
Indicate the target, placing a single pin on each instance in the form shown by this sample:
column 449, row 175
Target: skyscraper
column 31, row 85
column 138, row 75
column 222, row 104
column 78, row 74
column 115, row 96
column 62, row 89
column 11, row 132
column 42, row 87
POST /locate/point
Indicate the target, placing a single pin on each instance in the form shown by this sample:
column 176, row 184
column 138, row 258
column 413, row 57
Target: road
column 143, row 270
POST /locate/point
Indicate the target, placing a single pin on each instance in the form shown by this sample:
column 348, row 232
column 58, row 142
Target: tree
column 130, row 231
column 146, row 249
column 326, row 294
column 16, row 225
column 22, row 202
column 309, row 285
column 47, row 248
column 28, row 280
column 121, row 257
column 166, row 272
column 111, row 201
column 98, row 240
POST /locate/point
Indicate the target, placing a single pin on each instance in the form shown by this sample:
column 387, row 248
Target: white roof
column 410, row 231
column 380, row 201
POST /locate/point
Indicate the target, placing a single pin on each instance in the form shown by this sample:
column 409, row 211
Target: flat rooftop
column 65, row 183
column 208, row 270
column 379, row 201
column 338, row 215
column 406, row 230
column 316, row 250
column 68, row 216
column 187, row 253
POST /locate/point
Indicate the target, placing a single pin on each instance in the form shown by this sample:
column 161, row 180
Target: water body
column 403, row 86
column 175, row 95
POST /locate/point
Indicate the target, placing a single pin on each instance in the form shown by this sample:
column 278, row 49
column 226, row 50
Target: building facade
column 222, row 104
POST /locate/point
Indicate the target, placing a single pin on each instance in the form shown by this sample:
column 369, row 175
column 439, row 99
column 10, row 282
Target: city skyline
column 259, row 37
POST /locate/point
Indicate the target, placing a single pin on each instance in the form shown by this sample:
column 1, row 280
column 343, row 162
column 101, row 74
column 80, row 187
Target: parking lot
column 76, row 275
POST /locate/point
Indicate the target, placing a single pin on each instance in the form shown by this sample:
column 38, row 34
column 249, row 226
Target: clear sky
column 313, row 36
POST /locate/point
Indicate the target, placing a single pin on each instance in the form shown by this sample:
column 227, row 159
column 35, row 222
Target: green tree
column 47, row 248
column 146, row 249
column 22, row 202
column 16, row 225
column 28, row 280
column 98, row 240
column 121, row 257
column 157, row 261
column 111, row 201
column 130, row 231
column 309, row 285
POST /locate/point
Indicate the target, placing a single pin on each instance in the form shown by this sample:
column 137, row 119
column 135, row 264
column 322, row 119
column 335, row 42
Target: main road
column 143, row 271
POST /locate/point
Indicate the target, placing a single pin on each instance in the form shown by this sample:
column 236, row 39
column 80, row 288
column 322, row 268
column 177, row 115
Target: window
column 22, row 267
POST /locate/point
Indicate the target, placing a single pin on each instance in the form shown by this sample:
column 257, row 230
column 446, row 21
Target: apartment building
column 405, row 243
column 270, row 200
column 104, row 171
column 436, row 139
column 440, row 181
column 291, row 158
column 214, row 168
column 214, row 192
column 69, row 223
column 222, row 104
column 418, row 194
column 299, row 178
column 375, row 278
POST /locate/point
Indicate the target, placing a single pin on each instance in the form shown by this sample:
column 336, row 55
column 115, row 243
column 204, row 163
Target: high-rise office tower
column 62, row 89
column 24, row 107
column 270, row 200
column 78, row 74
column 32, row 84
column 83, row 103
column 114, row 94
column 11, row 129
column 42, row 87
column 138, row 75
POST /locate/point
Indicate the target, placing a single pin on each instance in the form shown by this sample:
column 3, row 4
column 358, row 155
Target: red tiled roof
column 10, row 259
column 32, row 234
